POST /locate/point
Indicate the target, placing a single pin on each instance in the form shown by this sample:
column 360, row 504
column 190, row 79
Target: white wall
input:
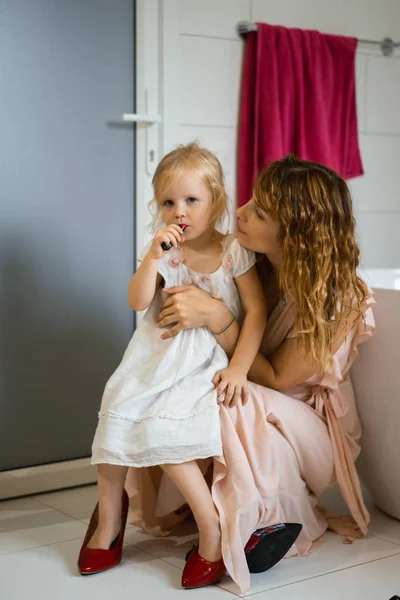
column 202, row 61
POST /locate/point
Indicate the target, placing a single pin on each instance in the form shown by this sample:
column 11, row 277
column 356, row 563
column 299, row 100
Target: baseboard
column 45, row 478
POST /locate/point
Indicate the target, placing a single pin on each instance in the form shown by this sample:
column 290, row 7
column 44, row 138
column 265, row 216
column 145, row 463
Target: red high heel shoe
column 93, row 560
column 199, row 572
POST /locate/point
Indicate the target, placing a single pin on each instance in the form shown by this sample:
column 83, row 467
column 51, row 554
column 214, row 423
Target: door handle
column 136, row 118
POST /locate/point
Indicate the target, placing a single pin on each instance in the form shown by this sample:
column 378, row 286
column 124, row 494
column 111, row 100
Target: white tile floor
column 40, row 539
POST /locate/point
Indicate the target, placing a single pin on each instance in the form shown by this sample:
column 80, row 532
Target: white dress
column 160, row 406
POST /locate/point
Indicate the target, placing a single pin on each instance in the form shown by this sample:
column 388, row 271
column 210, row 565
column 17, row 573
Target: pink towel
column 299, row 96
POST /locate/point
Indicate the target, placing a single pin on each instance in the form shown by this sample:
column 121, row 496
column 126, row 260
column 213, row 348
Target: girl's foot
column 102, row 549
column 199, row 573
column 210, row 542
column 104, row 537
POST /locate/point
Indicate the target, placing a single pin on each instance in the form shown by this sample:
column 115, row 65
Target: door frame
column 148, row 101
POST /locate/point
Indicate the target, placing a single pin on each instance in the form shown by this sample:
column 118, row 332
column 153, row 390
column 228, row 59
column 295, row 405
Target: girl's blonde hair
column 313, row 207
column 204, row 165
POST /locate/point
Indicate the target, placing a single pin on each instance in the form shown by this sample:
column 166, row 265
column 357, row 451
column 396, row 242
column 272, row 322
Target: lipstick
column 167, row 247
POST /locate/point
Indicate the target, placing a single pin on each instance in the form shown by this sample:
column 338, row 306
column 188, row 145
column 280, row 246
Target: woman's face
column 257, row 231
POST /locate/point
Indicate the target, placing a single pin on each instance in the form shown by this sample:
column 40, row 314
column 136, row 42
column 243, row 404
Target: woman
column 299, row 432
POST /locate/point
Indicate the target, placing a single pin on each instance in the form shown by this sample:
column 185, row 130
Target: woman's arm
column 189, row 307
column 287, row 367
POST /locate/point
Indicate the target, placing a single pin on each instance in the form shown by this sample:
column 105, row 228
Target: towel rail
column 387, row 45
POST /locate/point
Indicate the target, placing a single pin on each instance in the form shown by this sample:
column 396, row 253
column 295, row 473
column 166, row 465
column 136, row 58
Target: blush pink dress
column 280, row 452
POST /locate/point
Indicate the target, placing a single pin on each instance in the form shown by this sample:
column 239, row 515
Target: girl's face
column 257, row 231
column 188, row 202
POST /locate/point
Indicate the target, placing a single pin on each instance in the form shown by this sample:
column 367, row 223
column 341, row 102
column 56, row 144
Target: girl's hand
column 170, row 235
column 231, row 382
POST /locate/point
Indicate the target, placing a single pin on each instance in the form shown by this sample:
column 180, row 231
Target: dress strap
column 346, row 474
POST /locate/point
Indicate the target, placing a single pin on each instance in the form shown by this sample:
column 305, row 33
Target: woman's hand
column 231, row 383
column 187, row 307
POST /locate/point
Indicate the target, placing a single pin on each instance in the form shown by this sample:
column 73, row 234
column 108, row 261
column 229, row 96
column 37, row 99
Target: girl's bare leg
column 190, row 482
column 110, row 485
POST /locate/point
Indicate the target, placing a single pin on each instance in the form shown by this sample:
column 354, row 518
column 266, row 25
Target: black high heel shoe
column 268, row 546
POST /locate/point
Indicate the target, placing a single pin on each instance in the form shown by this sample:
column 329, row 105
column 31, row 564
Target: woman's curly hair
column 313, row 207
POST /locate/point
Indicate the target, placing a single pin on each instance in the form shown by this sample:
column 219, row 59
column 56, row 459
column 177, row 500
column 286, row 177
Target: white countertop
column 388, row 279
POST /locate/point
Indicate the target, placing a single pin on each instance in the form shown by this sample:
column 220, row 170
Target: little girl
column 160, row 406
